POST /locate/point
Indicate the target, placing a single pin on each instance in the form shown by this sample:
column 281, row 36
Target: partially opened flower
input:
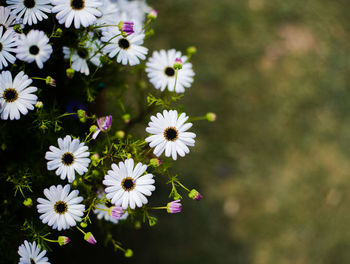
column 80, row 12
column 169, row 134
column 127, row 49
column 110, row 212
column 126, row 28
column 31, row 11
column 31, row 253
column 127, row 186
column 174, row 207
column 16, row 96
column 71, row 156
column 34, row 47
column 61, row 209
column 104, row 123
column 162, row 74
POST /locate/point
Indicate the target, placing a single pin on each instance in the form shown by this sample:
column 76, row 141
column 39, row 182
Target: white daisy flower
column 127, row 186
column 83, row 12
column 79, row 58
column 62, row 209
column 6, row 19
column 30, row 253
column 34, row 47
column 31, row 11
column 110, row 13
column 160, row 70
column 102, row 212
column 70, row 156
column 7, row 45
column 16, row 96
column 128, row 49
column 169, row 134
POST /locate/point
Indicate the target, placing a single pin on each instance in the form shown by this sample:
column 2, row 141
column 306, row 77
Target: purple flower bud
column 174, row 207
column 178, row 64
column 89, row 237
column 153, row 14
column 195, row 195
column 127, row 28
column 63, row 240
column 116, row 212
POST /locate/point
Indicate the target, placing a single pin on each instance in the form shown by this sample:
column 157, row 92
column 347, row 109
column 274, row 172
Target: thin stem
column 80, row 230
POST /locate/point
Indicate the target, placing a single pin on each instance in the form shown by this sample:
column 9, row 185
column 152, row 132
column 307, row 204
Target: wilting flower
column 104, row 123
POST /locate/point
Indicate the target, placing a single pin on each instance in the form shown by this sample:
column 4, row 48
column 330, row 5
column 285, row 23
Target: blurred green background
column 274, row 168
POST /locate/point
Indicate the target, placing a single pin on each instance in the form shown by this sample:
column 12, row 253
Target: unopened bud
column 63, row 240
column 70, row 73
column 174, row 207
column 155, row 162
column 89, row 237
column 120, row 134
column 191, row 51
column 50, row 81
column 178, row 64
column 152, row 15
column 211, row 117
column 59, row 32
column 128, row 253
column 28, row 202
column 93, row 129
column 81, row 115
column 39, row 104
column 195, row 195
column 83, row 224
column 126, row 118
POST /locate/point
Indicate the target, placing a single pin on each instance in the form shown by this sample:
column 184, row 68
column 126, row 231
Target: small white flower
column 31, row 11
column 160, row 70
column 16, row 95
column 7, row 45
column 34, row 47
column 128, row 49
column 102, row 212
column 127, row 186
column 110, row 13
column 30, row 253
column 169, row 134
column 6, row 19
column 62, row 209
column 83, row 12
column 71, row 156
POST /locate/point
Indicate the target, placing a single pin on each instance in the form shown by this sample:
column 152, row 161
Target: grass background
column 274, row 168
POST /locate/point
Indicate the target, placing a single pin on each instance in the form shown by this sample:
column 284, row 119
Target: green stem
column 80, row 230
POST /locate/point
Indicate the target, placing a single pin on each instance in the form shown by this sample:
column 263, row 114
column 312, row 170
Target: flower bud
column 83, row 224
column 126, row 118
column 70, row 73
column 211, row 117
column 58, row 32
column 93, row 129
column 50, row 81
column 155, row 162
column 191, row 51
column 195, row 195
column 39, row 104
column 116, row 212
column 128, row 253
column 81, row 115
column 63, row 240
column 28, row 202
column 178, row 64
column 120, row 134
column 89, row 237
column 152, row 15
column 174, row 207
column 126, row 28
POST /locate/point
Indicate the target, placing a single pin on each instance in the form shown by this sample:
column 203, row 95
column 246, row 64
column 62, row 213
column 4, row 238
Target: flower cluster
column 63, row 45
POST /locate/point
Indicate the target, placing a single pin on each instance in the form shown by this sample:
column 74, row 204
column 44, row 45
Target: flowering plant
column 61, row 61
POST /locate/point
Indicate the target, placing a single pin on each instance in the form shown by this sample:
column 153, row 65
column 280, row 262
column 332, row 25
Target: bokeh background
column 274, row 168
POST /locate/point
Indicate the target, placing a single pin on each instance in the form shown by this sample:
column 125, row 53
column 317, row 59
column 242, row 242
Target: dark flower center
column 10, row 95
column 83, row 53
column 128, row 184
column 32, row 261
column 170, row 134
column 67, row 158
column 34, row 50
column 60, row 207
column 124, row 43
column 29, row 3
column 77, row 4
column 109, row 204
column 169, row 71
column 0, row 45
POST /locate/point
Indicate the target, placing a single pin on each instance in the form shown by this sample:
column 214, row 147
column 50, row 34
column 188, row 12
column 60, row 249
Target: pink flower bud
column 174, row 207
